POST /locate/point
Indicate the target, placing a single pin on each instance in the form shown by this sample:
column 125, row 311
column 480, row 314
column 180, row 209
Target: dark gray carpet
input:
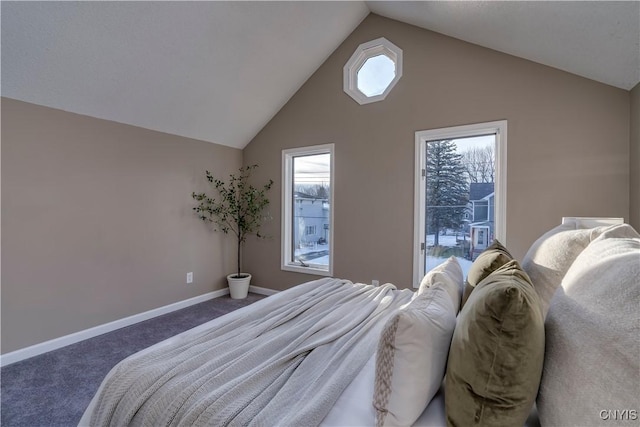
column 54, row 389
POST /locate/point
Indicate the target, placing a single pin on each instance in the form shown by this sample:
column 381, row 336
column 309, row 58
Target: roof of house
column 480, row 190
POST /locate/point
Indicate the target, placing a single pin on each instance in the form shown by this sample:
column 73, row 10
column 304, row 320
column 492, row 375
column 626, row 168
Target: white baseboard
column 54, row 344
column 262, row 291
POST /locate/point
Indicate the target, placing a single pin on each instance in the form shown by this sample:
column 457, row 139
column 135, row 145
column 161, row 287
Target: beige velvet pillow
column 592, row 359
column 448, row 274
column 412, row 355
column 496, row 354
column 488, row 261
column 550, row 257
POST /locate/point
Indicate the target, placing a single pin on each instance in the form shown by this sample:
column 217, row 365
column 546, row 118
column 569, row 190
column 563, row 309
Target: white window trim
column 380, row 46
column 498, row 127
column 287, row 198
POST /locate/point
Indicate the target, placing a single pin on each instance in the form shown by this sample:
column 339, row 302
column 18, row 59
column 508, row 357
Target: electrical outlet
column 375, row 282
column 190, row 277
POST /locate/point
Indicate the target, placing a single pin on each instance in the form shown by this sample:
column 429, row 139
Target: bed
column 333, row 353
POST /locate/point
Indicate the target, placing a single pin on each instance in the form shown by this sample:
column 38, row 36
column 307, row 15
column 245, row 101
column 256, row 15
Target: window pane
column 460, row 199
column 311, row 209
column 376, row 74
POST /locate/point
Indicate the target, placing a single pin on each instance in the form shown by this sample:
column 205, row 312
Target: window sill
column 307, row 270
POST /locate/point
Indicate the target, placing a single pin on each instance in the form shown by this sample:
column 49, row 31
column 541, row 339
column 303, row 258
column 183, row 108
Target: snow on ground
column 447, row 241
column 324, row 260
column 315, row 247
column 433, row 262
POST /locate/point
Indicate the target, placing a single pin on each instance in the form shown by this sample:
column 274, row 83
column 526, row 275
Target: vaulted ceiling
column 219, row 71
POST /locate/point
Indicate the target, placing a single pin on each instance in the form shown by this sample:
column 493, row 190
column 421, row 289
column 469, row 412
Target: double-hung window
column 307, row 209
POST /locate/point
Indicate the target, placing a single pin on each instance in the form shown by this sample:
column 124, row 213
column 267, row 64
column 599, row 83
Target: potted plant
column 237, row 210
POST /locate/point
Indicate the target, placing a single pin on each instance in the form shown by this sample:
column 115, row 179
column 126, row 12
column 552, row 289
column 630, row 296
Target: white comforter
column 285, row 359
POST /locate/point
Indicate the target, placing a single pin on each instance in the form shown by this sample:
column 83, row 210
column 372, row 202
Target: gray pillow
column 496, row 354
column 592, row 359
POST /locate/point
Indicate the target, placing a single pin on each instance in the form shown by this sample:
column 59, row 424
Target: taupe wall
column 97, row 222
column 568, row 147
column 634, row 159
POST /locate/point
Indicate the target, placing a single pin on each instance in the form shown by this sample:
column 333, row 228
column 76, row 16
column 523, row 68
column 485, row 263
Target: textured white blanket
column 284, row 362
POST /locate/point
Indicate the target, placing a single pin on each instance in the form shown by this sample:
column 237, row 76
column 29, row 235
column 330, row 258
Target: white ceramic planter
column 238, row 288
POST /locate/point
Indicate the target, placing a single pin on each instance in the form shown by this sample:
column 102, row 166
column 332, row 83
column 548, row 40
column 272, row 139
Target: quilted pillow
column 496, row 354
column 488, row 261
column 549, row 258
column 592, row 331
column 412, row 355
column 449, row 275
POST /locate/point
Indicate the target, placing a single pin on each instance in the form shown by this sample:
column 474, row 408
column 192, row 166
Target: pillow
column 449, row 275
column 411, row 358
column 548, row 259
column 490, row 259
column 496, row 354
column 592, row 331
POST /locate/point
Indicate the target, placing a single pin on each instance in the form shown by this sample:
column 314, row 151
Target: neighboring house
column 312, row 216
column 481, row 216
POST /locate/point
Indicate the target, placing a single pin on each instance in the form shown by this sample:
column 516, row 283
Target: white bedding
column 355, row 408
column 285, row 359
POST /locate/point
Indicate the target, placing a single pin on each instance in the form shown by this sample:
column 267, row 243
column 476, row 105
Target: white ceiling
column 599, row 40
column 219, row 71
column 214, row 71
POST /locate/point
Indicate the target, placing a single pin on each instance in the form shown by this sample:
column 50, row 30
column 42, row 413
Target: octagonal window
column 372, row 71
column 375, row 75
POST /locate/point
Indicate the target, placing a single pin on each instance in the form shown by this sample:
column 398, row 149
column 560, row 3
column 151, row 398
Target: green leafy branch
column 238, row 207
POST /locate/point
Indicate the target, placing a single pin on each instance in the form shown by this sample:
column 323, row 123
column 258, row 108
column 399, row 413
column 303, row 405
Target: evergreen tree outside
column 447, row 188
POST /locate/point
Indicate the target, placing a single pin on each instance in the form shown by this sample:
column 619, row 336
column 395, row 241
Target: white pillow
column 449, row 274
column 412, row 356
column 548, row 259
column 591, row 357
